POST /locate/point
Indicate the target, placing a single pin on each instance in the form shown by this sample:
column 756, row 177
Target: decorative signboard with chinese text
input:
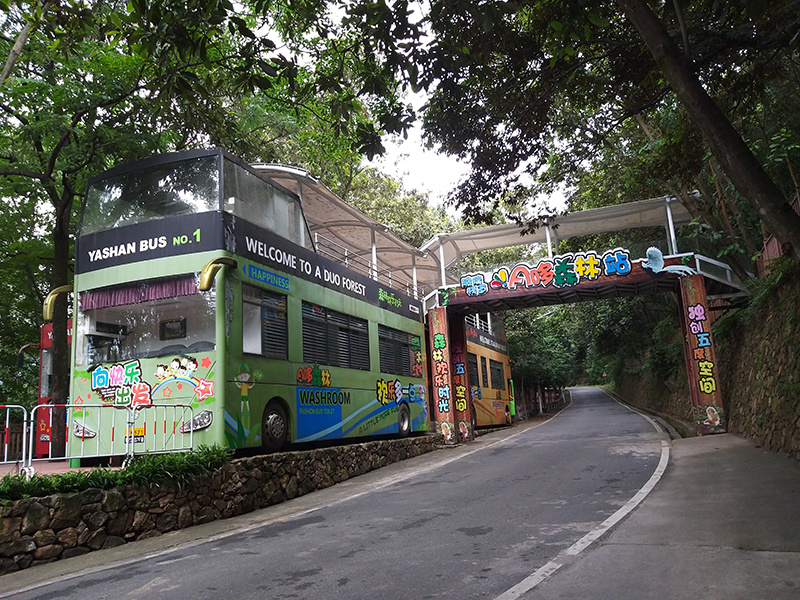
column 701, row 361
column 565, row 272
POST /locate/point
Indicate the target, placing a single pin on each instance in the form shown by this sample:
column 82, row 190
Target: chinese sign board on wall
column 560, row 272
column 701, row 361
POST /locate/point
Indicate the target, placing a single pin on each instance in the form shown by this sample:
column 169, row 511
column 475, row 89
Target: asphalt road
column 484, row 520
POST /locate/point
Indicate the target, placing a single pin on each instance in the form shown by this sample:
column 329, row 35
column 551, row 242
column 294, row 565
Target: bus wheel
column 403, row 421
column 274, row 426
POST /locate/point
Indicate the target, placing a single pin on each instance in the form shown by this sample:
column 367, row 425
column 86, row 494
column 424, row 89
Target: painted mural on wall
column 144, row 383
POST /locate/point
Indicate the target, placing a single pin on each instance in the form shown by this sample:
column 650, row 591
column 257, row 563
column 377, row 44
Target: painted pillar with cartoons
column 441, row 381
column 701, row 360
column 461, row 392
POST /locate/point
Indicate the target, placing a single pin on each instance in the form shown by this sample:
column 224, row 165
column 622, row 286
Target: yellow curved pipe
column 209, row 271
column 50, row 301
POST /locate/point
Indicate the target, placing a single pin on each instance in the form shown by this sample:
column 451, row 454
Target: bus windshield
column 166, row 190
column 187, row 187
column 145, row 320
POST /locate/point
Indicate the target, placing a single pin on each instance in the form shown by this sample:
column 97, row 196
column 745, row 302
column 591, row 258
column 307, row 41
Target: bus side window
column 472, row 365
column 264, row 327
column 497, row 374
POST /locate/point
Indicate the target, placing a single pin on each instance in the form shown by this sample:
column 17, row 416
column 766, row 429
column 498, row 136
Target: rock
column 92, row 496
column 142, row 521
column 166, row 522
column 90, row 508
column 96, row 520
column 48, row 552
column 120, row 524
column 8, row 565
column 19, row 508
column 67, row 511
column 36, row 517
column 113, row 541
column 23, row 560
column 113, row 500
column 20, row 546
column 185, row 517
column 44, row 537
column 84, row 533
column 68, row 537
column 205, row 515
column 166, row 500
column 9, row 529
column 96, row 539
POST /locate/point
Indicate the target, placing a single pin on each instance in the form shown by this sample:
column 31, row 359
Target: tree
column 94, row 84
column 520, row 87
column 405, row 213
column 728, row 147
column 21, row 295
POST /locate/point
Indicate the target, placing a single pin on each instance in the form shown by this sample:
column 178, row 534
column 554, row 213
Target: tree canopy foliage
column 536, row 94
column 91, row 84
column 616, row 100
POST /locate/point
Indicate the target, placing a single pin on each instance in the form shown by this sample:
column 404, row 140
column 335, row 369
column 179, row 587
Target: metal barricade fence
column 93, row 430
column 161, row 428
column 15, row 447
column 105, row 430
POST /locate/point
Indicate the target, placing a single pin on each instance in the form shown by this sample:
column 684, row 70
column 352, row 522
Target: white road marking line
column 554, row 565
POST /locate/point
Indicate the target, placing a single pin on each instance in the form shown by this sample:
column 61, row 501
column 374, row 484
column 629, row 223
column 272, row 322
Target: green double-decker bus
column 198, row 284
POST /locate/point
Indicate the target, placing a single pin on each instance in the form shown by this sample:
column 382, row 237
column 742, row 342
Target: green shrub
column 149, row 469
column 782, row 272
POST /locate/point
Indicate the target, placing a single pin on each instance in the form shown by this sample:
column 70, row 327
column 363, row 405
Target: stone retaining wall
column 759, row 374
column 40, row 530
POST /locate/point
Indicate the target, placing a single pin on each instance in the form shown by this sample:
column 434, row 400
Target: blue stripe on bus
column 326, row 433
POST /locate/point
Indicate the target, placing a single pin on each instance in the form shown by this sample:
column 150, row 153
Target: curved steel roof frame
column 663, row 211
column 425, row 269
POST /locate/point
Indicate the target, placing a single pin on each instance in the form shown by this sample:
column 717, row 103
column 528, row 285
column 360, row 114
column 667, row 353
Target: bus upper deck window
column 166, row 190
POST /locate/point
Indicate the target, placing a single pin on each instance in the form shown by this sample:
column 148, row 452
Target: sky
column 418, row 168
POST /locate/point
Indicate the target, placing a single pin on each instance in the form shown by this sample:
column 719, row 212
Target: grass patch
column 178, row 469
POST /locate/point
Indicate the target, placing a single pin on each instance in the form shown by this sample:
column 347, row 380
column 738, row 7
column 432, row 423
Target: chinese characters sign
column 440, row 377
column 560, row 271
column 459, row 385
column 701, row 360
column 123, row 384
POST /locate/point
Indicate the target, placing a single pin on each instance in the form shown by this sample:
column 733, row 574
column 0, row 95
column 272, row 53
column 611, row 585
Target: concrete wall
column 40, row 530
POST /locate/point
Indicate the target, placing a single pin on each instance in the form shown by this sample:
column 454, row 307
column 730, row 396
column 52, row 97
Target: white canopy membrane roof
column 645, row 213
column 341, row 232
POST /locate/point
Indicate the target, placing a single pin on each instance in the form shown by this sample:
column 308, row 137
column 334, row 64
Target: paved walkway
column 41, row 467
column 723, row 522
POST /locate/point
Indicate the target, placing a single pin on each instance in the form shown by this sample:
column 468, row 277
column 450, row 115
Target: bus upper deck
column 198, row 282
